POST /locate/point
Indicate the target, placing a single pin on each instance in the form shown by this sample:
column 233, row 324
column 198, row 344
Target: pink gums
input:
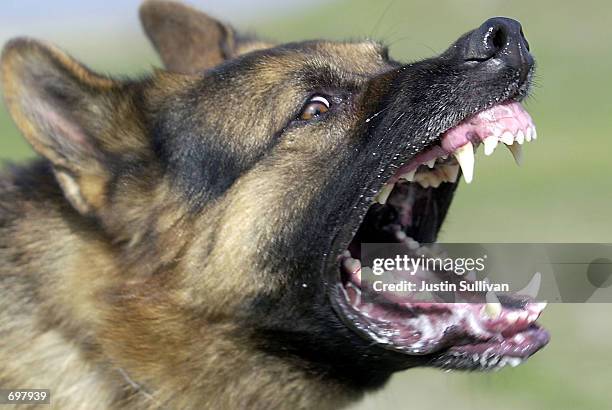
column 493, row 122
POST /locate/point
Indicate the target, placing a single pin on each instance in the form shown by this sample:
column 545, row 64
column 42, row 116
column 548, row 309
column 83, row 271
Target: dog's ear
column 65, row 111
column 188, row 40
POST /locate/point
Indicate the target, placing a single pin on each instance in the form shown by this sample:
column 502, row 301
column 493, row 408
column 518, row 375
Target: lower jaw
column 460, row 330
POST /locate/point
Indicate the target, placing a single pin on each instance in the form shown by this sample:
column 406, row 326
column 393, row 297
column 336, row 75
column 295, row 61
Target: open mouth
column 482, row 330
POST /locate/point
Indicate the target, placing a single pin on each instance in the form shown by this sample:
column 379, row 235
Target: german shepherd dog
column 190, row 239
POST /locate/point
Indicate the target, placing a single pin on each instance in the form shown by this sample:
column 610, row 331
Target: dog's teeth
column 429, row 179
column 383, row 194
column 528, row 134
column 493, row 307
column 490, row 143
column 520, row 137
column 517, row 153
column 353, row 266
column 451, row 172
column 534, row 136
column 424, row 183
column 465, row 157
column 431, row 163
column 533, row 287
column 357, row 275
column 513, row 317
column 435, row 181
column 412, row 244
column 409, row 176
column 507, row 138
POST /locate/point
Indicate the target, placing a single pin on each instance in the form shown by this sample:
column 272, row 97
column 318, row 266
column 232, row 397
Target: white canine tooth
column 507, row 138
column 535, row 134
column 520, row 137
column 465, row 157
column 517, row 153
column 409, row 176
column 528, row 134
column 383, row 194
column 533, row 287
column 493, row 308
column 490, row 143
column 431, row 163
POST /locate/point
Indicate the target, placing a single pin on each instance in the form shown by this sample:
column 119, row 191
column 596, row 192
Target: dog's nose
column 500, row 40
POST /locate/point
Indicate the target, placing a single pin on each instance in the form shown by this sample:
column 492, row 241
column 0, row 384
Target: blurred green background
column 562, row 193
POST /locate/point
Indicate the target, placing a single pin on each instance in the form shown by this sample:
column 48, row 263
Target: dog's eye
column 316, row 106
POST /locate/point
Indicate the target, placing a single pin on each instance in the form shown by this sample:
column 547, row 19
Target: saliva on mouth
column 476, row 331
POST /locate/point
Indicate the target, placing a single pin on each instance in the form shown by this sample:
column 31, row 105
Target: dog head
column 234, row 189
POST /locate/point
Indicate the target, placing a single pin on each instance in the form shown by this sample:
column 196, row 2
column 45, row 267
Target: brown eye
column 316, row 106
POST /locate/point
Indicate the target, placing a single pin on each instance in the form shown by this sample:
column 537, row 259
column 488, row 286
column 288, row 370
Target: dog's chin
column 409, row 210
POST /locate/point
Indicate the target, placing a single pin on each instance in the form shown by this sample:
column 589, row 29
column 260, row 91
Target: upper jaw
column 407, row 138
column 410, row 154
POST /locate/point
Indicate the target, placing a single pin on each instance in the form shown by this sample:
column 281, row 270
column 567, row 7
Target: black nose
column 500, row 40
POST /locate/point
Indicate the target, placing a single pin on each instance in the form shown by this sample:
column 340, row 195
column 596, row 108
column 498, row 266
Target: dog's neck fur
column 100, row 343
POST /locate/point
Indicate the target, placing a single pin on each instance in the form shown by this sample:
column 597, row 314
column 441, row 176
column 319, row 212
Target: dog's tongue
column 506, row 122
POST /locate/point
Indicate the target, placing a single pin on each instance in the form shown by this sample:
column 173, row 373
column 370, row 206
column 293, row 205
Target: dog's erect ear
column 65, row 111
column 188, row 40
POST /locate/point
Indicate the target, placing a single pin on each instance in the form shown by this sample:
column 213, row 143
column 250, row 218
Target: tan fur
column 130, row 301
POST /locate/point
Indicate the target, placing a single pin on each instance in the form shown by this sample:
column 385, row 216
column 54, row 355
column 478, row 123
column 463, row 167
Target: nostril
column 498, row 38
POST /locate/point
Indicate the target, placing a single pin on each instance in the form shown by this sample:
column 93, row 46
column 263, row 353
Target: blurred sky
column 60, row 18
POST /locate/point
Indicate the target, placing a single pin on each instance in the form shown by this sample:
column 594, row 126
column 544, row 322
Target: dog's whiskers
column 376, row 114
